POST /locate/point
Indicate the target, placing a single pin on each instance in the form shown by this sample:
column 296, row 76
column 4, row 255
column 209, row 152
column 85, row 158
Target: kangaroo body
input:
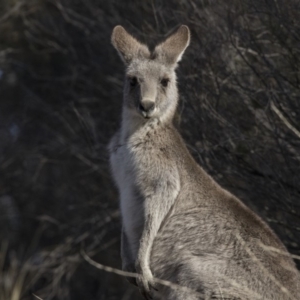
column 179, row 225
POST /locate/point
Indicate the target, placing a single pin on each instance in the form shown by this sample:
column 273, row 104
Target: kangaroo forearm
column 161, row 205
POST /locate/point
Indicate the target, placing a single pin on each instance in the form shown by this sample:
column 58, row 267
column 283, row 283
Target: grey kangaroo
column 179, row 225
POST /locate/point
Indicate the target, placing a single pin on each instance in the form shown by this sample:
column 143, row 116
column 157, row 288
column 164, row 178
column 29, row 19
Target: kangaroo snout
column 146, row 106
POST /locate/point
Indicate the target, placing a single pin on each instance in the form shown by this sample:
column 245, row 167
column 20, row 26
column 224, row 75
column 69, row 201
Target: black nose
column 147, row 106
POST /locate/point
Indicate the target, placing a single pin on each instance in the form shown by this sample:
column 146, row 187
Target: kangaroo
column 178, row 225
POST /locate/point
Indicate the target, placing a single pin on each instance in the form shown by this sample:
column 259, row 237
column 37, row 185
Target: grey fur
column 179, row 225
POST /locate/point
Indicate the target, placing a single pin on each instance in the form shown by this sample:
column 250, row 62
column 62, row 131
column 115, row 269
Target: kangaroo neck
column 132, row 124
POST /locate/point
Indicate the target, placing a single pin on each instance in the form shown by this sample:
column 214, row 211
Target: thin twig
column 12, row 11
column 135, row 275
column 284, row 120
column 37, row 297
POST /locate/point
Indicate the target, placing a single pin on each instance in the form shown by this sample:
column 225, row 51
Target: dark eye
column 164, row 82
column 133, row 81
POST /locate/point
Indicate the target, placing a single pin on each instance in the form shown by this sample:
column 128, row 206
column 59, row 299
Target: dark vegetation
column 60, row 101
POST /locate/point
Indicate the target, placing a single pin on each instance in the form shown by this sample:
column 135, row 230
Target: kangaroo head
column 150, row 89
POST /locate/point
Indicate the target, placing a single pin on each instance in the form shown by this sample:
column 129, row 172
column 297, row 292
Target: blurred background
column 60, row 102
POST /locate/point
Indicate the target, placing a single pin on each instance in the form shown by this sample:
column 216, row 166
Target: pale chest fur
column 130, row 160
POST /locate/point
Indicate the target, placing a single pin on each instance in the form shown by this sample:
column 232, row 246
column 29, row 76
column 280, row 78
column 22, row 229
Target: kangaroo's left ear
column 171, row 50
column 127, row 46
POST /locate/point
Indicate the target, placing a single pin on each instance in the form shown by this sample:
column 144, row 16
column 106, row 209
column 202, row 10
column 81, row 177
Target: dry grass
column 15, row 275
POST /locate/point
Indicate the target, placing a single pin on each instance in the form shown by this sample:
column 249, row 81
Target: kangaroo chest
column 129, row 159
column 126, row 164
column 136, row 163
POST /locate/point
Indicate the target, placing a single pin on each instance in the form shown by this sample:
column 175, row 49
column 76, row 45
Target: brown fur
column 179, row 225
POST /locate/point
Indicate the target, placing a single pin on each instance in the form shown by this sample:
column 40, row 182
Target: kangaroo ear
column 127, row 46
column 171, row 50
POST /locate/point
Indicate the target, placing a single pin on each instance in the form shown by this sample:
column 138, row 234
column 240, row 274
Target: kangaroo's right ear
column 127, row 46
column 172, row 49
